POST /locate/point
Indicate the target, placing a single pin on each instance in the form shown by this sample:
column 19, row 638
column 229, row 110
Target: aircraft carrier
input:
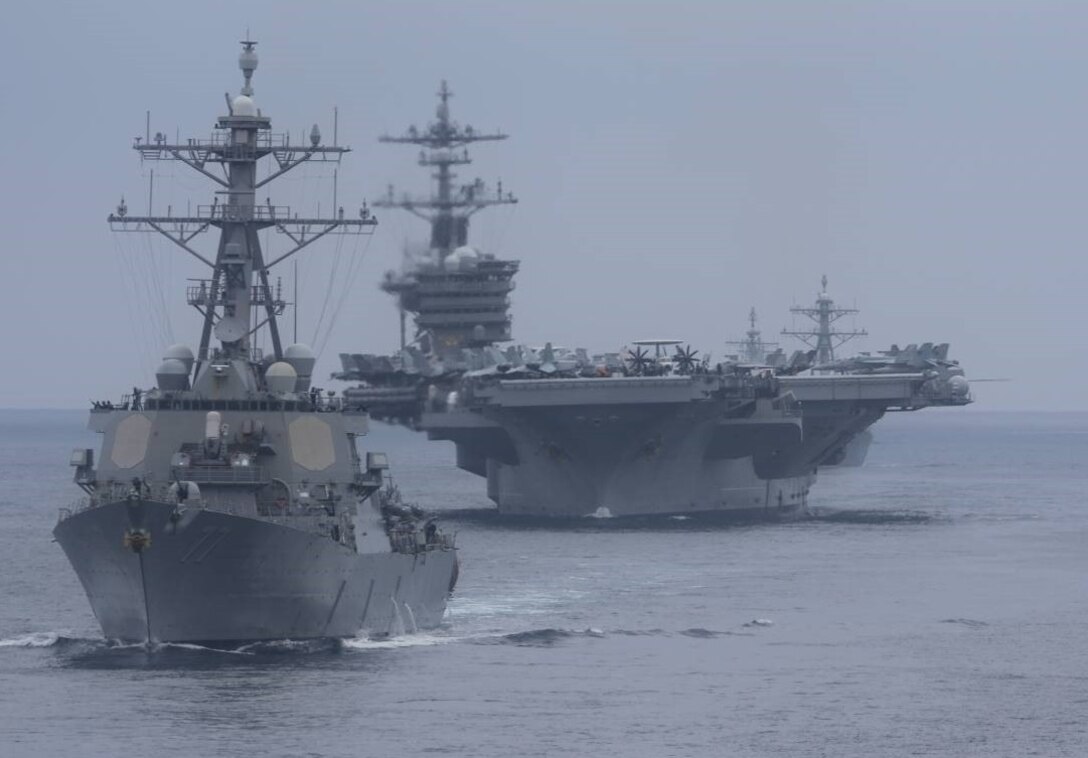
column 229, row 503
column 648, row 429
column 660, row 437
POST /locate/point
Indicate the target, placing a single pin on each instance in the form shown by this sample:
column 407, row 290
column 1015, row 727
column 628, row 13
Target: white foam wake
column 36, row 639
column 199, row 648
column 405, row 640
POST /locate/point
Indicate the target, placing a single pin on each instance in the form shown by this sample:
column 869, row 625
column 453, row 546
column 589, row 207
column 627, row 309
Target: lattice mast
column 443, row 145
column 824, row 338
column 752, row 347
column 239, row 279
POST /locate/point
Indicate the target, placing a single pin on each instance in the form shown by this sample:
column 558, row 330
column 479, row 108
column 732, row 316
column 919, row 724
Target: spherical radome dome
column 243, row 106
column 171, row 366
column 298, row 350
column 179, row 352
column 301, row 357
column 960, row 385
column 280, row 377
column 172, row 374
column 463, row 256
column 182, row 353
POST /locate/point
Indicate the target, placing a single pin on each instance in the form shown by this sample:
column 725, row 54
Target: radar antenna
column 449, row 208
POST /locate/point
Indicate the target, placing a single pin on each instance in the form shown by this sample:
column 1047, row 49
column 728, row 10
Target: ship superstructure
column 229, row 502
column 457, row 296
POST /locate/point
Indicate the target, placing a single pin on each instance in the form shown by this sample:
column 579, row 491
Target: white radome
column 463, row 253
column 243, row 106
column 181, row 353
column 281, row 377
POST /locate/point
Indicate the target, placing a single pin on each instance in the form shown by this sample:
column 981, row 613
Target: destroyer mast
column 824, row 338
column 227, row 299
column 752, row 348
column 459, row 297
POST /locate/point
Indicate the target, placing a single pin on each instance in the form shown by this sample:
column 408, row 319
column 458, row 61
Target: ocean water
column 935, row 604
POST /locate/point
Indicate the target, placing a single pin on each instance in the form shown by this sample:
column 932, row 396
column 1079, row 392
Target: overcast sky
column 676, row 163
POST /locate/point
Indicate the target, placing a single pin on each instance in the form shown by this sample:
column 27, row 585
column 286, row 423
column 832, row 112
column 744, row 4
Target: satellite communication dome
column 463, row 255
column 301, row 357
column 172, row 374
column 243, row 106
column 181, row 353
column 298, row 351
column 280, row 377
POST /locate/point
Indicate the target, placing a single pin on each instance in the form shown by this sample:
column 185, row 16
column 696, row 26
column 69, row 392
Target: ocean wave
column 545, row 637
column 321, row 645
column 760, row 622
column 875, row 517
column 700, row 633
column 969, row 623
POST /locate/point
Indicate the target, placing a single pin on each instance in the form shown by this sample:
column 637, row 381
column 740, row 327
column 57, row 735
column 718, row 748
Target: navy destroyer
column 823, row 339
column 651, row 428
column 229, row 502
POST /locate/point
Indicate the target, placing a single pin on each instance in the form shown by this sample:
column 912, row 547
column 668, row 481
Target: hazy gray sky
column 677, row 163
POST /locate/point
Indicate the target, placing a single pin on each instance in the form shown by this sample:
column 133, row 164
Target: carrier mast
column 449, row 209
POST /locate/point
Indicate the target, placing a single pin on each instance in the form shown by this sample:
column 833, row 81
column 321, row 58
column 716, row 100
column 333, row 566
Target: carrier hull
column 646, row 447
column 545, row 488
column 215, row 577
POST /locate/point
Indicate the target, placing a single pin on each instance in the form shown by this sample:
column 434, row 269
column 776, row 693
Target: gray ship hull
column 644, row 447
column 854, row 452
column 222, row 578
column 542, row 487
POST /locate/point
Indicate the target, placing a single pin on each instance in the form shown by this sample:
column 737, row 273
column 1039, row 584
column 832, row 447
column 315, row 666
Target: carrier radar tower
column 458, row 296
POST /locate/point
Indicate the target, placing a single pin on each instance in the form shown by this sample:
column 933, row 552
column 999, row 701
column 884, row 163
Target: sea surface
column 934, row 604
